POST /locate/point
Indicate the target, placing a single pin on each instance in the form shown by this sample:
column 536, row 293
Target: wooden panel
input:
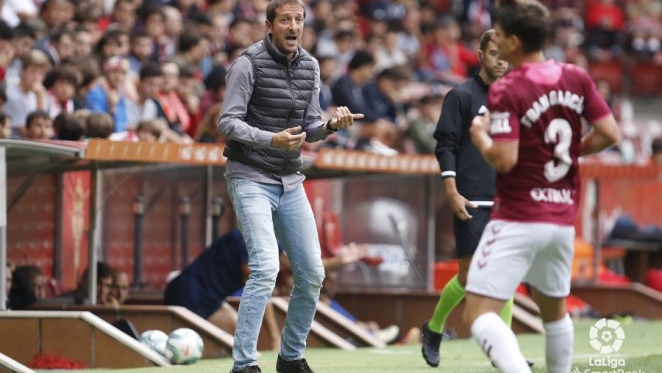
column 23, row 344
column 58, row 336
column 109, row 350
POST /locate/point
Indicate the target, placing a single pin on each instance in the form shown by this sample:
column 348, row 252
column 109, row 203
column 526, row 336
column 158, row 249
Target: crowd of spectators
column 154, row 70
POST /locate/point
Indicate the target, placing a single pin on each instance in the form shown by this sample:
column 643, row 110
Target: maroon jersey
column 541, row 105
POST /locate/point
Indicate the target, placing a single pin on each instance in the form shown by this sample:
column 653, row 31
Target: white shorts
column 510, row 253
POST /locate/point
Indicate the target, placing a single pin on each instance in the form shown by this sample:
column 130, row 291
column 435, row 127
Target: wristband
column 329, row 128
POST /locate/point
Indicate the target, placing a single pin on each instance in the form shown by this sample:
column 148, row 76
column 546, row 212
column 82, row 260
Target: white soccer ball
column 184, row 346
column 155, row 339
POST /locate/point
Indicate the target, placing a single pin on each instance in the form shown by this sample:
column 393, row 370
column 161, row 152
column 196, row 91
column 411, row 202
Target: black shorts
column 467, row 233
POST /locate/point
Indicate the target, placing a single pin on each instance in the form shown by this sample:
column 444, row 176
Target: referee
column 469, row 183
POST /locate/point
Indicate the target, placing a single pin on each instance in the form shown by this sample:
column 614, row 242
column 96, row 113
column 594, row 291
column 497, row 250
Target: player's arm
column 501, row 155
column 603, row 135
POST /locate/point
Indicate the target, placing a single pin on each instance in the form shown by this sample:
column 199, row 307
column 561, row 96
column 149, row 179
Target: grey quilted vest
column 281, row 94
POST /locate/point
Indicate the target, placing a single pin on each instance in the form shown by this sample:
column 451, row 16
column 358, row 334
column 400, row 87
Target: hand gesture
column 459, row 206
column 344, row 118
column 289, row 139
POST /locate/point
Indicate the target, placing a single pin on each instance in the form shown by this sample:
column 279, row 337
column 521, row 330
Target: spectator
column 122, row 16
column 348, row 91
column 99, row 125
column 146, row 107
column 69, row 127
column 104, row 286
column 121, row 286
column 20, row 294
column 60, row 46
column 189, row 90
column 109, row 95
column 605, row 22
column 110, row 44
column 214, row 89
column 390, row 54
column 35, row 277
column 56, row 13
column 191, row 50
column 5, row 126
column 208, row 129
column 421, row 129
column 38, row 126
column 141, row 49
column 171, row 103
column 152, row 20
column 150, row 130
column 23, row 41
column 447, row 58
column 83, row 43
column 28, row 94
column 62, row 92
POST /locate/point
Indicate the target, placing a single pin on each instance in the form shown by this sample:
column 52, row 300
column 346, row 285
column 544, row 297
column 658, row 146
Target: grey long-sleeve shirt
column 240, row 80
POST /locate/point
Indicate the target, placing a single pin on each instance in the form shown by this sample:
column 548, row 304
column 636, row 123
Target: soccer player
column 532, row 136
column 469, row 182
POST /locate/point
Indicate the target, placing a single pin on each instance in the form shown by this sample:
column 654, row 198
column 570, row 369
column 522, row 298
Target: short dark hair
column 275, row 4
column 527, row 19
column 37, row 114
column 67, row 74
column 150, row 70
column 189, row 38
column 361, row 58
column 69, row 127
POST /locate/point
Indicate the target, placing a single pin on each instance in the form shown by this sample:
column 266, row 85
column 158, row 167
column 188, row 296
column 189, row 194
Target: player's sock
column 451, row 295
column 499, row 343
column 507, row 312
column 559, row 340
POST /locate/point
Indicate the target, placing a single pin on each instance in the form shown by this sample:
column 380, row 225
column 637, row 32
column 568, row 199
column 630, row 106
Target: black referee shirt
column 457, row 155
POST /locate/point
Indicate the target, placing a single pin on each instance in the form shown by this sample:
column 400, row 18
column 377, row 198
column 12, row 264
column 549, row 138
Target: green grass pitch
column 641, row 352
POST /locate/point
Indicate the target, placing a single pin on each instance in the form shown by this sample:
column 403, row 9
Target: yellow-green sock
column 507, row 312
column 451, row 295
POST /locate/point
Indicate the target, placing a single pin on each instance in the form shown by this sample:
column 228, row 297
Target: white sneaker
column 389, row 334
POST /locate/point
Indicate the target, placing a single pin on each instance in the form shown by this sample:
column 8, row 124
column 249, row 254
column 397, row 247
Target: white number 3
column 558, row 131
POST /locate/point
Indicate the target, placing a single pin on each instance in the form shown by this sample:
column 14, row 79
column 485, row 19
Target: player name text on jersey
column 551, row 195
column 552, row 98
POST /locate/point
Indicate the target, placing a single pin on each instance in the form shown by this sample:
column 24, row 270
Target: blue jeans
column 265, row 212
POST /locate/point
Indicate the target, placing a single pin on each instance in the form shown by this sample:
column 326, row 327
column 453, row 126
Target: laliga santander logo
column 606, row 336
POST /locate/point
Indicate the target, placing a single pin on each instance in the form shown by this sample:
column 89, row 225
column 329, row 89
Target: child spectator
column 61, row 94
column 38, row 126
column 28, row 94
column 99, row 125
column 69, row 127
column 149, row 130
